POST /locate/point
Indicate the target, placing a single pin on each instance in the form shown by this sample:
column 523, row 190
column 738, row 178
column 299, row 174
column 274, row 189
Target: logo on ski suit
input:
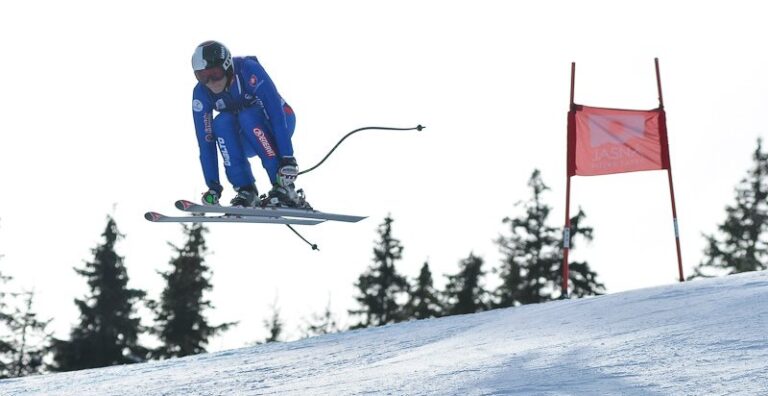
column 264, row 142
column 224, row 152
column 207, row 127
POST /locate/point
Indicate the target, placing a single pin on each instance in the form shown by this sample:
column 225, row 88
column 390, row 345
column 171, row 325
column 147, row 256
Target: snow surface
column 706, row 337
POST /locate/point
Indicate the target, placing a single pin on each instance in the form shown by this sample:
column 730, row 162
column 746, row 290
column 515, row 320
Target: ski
column 188, row 206
column 227, row 218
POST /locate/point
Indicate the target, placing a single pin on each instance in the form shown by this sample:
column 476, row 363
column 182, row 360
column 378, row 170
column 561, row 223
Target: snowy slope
column 707, row 337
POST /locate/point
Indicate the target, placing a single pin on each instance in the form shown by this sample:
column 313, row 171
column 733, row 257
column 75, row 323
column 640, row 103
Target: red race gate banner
column 603, row 141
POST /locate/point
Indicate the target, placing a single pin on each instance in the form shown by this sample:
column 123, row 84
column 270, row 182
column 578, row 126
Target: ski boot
column 284, row 193
column 247, row 197
column 285, row 197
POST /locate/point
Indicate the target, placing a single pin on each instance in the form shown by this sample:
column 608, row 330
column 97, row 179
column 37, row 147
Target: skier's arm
column 202, row 113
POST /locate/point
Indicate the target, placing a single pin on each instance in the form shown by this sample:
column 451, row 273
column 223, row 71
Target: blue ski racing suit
column 253, row 119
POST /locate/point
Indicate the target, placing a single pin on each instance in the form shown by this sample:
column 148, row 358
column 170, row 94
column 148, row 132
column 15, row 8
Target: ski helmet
column 212, row 61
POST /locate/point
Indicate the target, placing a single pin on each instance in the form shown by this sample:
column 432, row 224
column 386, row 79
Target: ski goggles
column 212, row 74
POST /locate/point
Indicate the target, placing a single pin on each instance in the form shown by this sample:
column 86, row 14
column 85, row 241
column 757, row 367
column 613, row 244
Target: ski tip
column 183, row 204
column 152, row 216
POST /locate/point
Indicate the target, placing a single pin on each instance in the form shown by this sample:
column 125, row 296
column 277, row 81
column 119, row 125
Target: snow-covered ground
column 708, row 337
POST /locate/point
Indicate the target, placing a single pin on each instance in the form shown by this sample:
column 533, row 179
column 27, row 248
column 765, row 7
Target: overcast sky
column 96, row 106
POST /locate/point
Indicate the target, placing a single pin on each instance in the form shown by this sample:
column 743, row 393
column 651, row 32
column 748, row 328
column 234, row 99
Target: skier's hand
column 288, row 171
column 211, row 197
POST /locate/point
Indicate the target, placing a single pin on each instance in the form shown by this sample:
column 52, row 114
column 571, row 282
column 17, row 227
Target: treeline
column 108, row 329
column 529, row 272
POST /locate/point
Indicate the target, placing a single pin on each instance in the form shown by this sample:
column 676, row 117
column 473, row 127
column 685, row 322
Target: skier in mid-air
column 252, row 120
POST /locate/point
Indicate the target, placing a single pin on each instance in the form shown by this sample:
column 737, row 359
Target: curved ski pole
column 417, row 128
column 313, row 245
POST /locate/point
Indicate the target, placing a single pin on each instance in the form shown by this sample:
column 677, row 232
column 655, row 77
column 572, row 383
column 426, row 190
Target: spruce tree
column 31, row 338
column 274, row 325
column 424, row 300
column 7, row 348
column 582, row 281
column 320, row 324
column 532, row 255
column 24, row 339
column 741, row 245
column 179, row 316
column 464, row 292
column 108, row 332
column 381, row 286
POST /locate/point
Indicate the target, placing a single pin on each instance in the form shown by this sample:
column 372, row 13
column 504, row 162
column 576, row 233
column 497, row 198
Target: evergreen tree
column 31, row 339
column 741, row 245
column 424, row 301
column 23, row 338
column 532, row 255
column 464, row 292
column 274, row 325
column 181, row 325
column 324, row 323
column 7, row 347
column 381, row 286
column 582, row 281
column 108, row 333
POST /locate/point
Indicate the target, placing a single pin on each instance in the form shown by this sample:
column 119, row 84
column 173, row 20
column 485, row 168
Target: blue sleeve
column 202, row 114
column 274, row 105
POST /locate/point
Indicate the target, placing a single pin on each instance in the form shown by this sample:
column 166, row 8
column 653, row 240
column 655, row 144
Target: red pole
column 658, row 83
column 671, row 185
column 573, row 79
column 567, row 228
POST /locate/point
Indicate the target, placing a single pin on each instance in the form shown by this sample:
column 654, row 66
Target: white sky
column 96, row 107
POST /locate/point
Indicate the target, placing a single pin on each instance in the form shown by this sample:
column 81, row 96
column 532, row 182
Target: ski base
column 192, row 207
column 227, row 218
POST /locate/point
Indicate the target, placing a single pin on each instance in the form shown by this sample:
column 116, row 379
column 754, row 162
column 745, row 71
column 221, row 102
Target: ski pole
column 417, row 128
